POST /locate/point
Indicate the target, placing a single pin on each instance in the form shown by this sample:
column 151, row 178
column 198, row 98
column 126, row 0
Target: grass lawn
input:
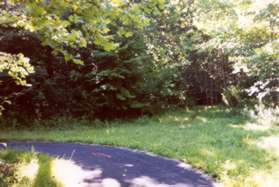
column 216, row 140
column 26, row 169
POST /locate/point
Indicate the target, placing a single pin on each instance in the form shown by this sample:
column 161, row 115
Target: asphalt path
column 123, row 167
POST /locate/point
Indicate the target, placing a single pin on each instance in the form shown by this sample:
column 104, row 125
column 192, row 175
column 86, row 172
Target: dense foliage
column 120, row 58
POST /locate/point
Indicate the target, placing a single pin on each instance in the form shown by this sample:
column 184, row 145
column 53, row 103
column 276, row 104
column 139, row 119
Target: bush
column 106, row 86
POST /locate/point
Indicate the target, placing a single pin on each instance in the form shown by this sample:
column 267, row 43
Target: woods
column 191, row 80
column 119, row 59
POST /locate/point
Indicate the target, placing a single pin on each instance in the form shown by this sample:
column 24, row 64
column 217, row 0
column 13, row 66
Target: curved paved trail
column 120, row 166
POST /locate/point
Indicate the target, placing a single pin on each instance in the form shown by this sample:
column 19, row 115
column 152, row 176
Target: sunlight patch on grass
column 31, row 169
column 208, row 153
column 262, row 179
column 202, row 119
column 28, row 170
column 229, row 165
column 257, row 127
column 270, row 143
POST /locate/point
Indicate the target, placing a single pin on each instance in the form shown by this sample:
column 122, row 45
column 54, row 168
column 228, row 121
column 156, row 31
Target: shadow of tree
column 122, row 166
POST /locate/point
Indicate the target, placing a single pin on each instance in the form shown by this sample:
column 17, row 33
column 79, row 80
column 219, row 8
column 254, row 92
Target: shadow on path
column 120, row 166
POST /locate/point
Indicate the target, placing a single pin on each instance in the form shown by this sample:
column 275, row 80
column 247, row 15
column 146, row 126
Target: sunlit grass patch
column 270, row 143
column 24, row 167
column 27, row 171
column 30, row 169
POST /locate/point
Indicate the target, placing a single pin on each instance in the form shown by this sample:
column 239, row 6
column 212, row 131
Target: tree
column 17, row 67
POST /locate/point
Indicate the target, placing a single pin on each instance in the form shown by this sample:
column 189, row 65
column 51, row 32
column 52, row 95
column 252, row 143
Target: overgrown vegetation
column 65, row 63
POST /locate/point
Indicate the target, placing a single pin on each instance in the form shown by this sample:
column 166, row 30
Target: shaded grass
column 212, row 139
column 12, row 156
column 44, row 178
